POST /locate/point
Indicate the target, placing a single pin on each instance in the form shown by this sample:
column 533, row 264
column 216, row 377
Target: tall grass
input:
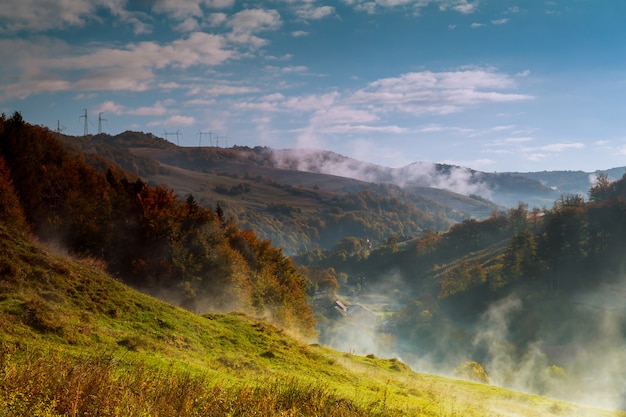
column 57, row 385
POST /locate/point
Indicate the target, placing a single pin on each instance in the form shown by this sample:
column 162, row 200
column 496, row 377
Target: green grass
column 75, row 342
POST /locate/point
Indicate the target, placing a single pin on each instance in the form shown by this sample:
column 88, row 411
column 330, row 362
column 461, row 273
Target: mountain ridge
column 543, row 186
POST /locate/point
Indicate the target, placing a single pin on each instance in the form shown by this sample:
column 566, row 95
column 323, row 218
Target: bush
column 472, row 371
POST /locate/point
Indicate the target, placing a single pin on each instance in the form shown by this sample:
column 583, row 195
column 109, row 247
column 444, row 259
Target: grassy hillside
column 75, row 342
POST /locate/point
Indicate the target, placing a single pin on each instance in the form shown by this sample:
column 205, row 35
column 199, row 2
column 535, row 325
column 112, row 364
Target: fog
column 578, row 360
column 424, row 174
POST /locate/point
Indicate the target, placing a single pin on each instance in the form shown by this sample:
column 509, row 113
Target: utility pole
column 100, row 120
column 86, row 129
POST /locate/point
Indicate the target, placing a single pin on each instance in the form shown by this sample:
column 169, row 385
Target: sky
column 493, row 85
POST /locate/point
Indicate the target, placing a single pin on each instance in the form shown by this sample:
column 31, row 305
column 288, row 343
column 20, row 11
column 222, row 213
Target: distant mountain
column 571, row 182
column 503, row 189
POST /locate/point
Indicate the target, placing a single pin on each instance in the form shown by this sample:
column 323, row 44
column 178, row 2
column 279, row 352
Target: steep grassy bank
column 76, row 342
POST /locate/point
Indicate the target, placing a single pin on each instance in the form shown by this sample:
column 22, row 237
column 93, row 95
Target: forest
column 536, row 296
column 147, row 237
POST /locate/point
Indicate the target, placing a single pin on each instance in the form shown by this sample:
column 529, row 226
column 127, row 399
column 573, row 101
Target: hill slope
column 73, row 341
column 296, row 209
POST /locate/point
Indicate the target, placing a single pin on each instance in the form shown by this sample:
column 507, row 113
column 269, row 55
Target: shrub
column 472, row 371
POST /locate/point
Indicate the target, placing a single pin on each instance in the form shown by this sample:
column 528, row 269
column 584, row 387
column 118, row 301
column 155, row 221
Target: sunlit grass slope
column 75, row 342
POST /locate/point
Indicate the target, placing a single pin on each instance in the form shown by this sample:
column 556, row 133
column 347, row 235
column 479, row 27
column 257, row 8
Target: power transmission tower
column 86, row 131
column 200, row 133
column 167, row 134
column 59, row 128
column 177, row 134
column 217, row 140
column 100, row 120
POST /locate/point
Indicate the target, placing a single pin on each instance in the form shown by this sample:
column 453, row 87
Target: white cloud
column 174, row 121
column 464, row 7
column 255, row 20
column 221, row 90
column 376, row 107
column 190, row 24
column 178, row 120
column 183, row 9
column 110, row 107
column 50, row 66
column 311, row 102
column 246, row 23
column 45, row 15
column 217, row 19
column 560, row 147
column 352, row 129
column 477, row 25
column 42, row 15
column 438, row 128
column 170, row 85
column 309, row 12
column 370, row 6
column 290, row 69
column 263, row 106
column 273, row 97
column 200, row 102
column 342, row 115
column 299, row 33
column 521, row 146
column 157, row 109
column 438, row 93
column 500, row 21
column 197, row 49
column 513, row 140
column 501, row 128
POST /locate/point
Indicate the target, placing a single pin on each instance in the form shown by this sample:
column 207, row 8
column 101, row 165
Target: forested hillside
column 526, row 293
column 149, row 238
column 262, row 190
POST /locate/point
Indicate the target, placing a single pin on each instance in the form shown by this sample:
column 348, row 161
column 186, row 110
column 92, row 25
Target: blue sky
column 494, row 85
